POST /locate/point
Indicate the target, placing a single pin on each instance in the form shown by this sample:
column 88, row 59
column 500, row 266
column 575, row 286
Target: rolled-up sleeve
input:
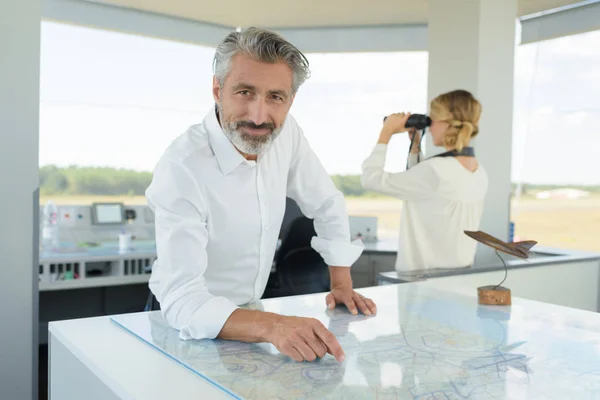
column 418, row 182
column 181, row 237
column 311, row 187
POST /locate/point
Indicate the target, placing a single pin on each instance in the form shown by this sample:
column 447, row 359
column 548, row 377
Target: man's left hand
column 353, row 300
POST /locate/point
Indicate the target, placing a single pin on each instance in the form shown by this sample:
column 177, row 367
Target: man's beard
column 245, row 142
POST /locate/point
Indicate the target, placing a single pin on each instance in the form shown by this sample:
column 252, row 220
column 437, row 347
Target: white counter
column 424, row 342
column 560, row 277
column 96, row 359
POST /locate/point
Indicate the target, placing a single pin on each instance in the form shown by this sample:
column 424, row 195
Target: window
column 112, row 102
column 110, row 105
column 556, row 142
column 341, row 109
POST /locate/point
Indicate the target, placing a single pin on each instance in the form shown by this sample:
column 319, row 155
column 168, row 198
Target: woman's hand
column 394, row 123
column 412, row 132
column 415, row 134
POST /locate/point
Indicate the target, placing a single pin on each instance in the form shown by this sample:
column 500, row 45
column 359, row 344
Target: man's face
column 253, row 102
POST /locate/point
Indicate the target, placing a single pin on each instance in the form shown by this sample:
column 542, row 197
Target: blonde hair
column 461, row 110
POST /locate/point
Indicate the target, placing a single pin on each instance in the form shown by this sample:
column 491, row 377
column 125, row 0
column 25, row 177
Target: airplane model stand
column 498, row 295
column 494, row 296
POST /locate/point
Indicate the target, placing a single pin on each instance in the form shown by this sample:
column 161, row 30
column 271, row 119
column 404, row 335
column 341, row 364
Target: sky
column 113, row 99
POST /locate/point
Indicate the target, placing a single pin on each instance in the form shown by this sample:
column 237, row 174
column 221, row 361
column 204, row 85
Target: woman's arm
column 418, row 182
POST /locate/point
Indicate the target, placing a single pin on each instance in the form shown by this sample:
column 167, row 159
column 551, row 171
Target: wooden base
column 494, row 296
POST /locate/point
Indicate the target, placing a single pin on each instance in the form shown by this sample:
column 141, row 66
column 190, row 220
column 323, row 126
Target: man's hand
column 304, row 339
column 297, row 337
column 352, row 300
column 342, row 293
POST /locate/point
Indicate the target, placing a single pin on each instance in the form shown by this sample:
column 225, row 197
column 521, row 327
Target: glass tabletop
column 422, row 344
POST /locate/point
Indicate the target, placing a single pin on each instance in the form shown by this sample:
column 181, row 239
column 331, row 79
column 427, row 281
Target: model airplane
column 517, row 249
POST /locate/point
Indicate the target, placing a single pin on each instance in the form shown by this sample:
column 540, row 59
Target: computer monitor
column 108, row 213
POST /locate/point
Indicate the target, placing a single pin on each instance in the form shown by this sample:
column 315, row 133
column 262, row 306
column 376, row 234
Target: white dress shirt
column 218, row 218
column 442, row 199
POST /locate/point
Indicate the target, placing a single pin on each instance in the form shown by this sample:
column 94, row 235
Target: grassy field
column 573, row 224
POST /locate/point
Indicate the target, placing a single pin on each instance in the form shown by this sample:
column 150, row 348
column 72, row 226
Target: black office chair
column 299, row 269
column 303, row 271
column 151, row 303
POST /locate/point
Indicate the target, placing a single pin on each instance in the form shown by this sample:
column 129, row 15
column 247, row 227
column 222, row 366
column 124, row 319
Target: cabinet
column 369, row 264
column 361, row 272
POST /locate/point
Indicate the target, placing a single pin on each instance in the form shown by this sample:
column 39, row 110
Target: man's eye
column 278, row 98
column 244, row 92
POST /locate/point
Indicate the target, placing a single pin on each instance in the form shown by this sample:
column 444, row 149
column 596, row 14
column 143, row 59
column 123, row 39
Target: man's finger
column 316, row 344
column 291, row 352
column 331, row 342
column 349, row 302
column 303, row 348
column 359, row 301
column 296, row 355
column 330, row 301
column 371, row 304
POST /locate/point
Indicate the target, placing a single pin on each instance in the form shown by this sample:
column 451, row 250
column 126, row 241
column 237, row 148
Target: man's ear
column 216, row 90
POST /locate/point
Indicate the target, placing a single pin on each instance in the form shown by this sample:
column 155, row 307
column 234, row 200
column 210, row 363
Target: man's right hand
column 297, row 337
column 304, row 339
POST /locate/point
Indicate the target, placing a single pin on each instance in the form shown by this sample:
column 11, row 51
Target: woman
column 443, row 195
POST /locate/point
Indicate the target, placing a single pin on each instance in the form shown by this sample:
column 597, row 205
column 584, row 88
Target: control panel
column 93, row 225
column 364, row 228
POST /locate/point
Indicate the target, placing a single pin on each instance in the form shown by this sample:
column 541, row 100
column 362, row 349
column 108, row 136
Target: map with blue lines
column 422, row 344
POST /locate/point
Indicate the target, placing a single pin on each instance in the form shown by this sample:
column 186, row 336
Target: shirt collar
column 227, row 155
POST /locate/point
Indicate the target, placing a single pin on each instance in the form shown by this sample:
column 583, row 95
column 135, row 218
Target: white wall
column 479, row 58
column 19, row 105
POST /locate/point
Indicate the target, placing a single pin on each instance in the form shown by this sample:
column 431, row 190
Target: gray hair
column 264, row 46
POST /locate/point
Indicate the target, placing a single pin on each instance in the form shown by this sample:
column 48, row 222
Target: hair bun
column 468, row 125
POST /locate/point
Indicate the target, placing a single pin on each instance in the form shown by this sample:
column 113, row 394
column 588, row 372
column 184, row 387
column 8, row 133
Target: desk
column 133, row 266
column 125, row 288
column 123, row 284
column 116, row 267
column 566, row 278
column 424, row 343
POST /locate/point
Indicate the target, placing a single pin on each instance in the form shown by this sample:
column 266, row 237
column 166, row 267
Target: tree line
column 75, row 180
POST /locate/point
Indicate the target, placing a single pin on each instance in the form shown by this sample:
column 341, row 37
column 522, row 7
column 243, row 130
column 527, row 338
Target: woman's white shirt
column 442, row 199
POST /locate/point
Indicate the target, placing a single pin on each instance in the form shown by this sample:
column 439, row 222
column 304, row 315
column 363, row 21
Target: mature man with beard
column 219, row 194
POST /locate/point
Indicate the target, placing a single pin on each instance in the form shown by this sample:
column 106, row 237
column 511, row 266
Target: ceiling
column 307, row 13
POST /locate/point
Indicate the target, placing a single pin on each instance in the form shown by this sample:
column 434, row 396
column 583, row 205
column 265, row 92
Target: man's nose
column 257, row 112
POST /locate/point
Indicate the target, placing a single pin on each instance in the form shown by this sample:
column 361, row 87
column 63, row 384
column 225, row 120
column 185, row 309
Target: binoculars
column 417, row 121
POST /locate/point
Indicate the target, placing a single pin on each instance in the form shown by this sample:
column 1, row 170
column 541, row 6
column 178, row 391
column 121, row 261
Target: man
column 219, row 193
